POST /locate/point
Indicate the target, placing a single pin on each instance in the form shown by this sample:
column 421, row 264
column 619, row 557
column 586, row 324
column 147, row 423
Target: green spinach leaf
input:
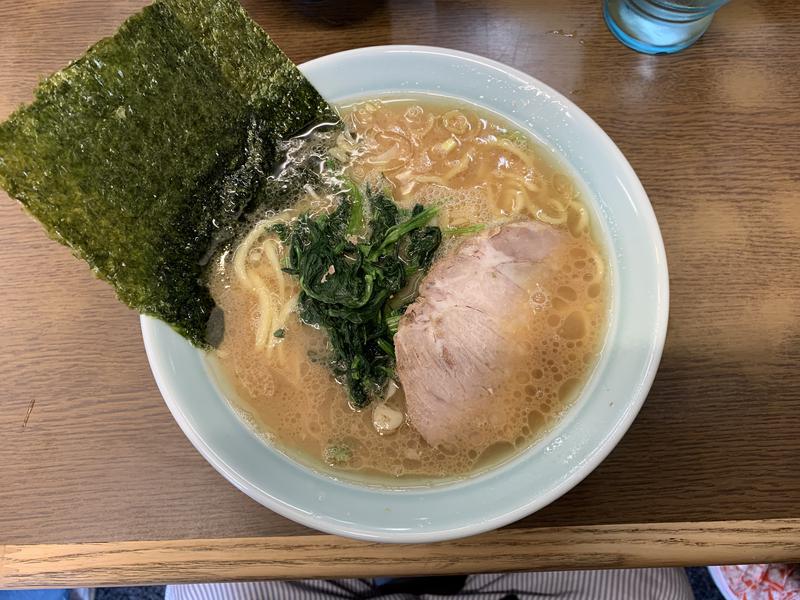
column 349, row 266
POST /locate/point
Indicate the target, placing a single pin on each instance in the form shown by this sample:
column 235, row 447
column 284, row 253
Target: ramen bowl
column 589, row 430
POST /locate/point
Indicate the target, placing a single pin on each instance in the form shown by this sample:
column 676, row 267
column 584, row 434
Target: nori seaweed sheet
column 154, row 144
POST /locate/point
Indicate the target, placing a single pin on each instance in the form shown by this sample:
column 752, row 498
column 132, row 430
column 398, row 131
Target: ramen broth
column 479, row 170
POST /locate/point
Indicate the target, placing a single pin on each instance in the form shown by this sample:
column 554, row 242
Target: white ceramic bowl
column 591, row 428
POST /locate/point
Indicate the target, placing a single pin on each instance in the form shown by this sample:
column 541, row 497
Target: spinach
column 349, row 264
column 337, row 454
column 464, row 230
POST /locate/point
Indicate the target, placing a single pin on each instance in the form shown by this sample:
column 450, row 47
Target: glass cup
column 659, row 26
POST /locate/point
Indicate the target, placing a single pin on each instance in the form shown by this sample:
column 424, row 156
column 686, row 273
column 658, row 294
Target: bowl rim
column 634, row 402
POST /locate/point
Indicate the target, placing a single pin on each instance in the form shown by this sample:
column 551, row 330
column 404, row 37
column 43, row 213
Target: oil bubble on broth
column 480, row 171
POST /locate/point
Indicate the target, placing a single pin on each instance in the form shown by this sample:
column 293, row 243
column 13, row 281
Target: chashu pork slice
column 456, row 343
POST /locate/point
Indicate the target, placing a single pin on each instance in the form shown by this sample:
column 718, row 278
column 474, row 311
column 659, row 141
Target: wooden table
column 99, row 486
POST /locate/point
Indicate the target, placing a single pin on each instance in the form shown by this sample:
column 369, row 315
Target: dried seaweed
column 143, row 152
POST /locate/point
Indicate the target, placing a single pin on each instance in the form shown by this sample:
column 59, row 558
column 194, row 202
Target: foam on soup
column 479, row 170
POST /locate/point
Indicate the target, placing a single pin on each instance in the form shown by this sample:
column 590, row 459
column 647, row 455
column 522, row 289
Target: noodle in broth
column 479, row 171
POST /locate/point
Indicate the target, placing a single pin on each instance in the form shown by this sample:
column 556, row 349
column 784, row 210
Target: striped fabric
column 622, row 584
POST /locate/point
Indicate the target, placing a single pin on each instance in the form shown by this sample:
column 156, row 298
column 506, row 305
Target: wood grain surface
column 258, row 558
column 89, row 452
